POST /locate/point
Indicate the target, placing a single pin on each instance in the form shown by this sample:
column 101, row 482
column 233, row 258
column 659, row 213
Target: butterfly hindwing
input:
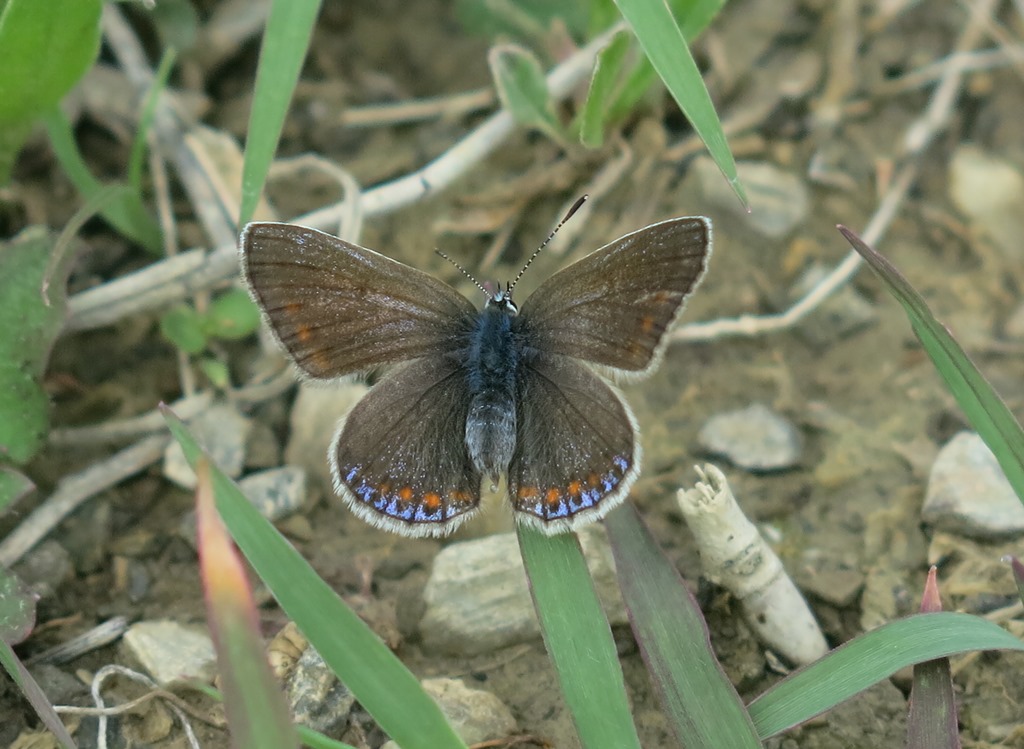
column 614, row 306
column 338, row 308
column 399, row 459
column 577, row 452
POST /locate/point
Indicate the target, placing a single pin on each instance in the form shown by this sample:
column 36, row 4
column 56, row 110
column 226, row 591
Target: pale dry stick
column 97, row 697
column 348, row 223
column 154, row 287
column 735, row 555
column 169, row 232
column 170, row 128
column 419, row 110
column 75, row 489
column 918, row 137
column 100, row 635
column 967, row 62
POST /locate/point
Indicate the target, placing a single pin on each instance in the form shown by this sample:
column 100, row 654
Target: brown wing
column 614, row 306
column 338, row 308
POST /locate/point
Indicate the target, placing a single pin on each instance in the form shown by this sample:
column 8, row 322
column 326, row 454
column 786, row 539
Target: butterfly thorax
column 492, row 362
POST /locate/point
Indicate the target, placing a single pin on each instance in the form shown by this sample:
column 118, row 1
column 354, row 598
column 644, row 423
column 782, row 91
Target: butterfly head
column 502, row 301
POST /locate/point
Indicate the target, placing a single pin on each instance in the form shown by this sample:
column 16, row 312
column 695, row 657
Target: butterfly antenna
column 575, row 207
column 465, row 272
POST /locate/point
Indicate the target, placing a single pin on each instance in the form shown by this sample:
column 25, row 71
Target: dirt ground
column 870, row 407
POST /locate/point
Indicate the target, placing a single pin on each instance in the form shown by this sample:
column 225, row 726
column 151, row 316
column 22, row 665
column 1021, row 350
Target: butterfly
column 474, row 394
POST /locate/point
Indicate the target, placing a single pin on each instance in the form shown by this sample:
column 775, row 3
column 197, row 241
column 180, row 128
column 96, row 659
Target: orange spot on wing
column 593, row 480
column 552, row 496
column 405, row 493
column 303, row 333
column 574, row 488
column 527, row 492
column 647, row 324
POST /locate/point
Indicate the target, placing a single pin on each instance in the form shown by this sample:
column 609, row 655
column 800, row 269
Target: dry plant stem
column 418, row 110
column 918, row 137
column 73, row 490
column 160, row 284
column 97, row 637
column 97, row 697
column 734, row 555
column 169, row 126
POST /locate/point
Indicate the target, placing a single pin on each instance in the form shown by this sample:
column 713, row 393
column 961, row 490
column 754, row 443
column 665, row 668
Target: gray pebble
column 476, row 715
column 170, row 652
column 755, row 438
column 316, row 698
column 989, row 191
column 222, row 430
column 477, row 599
column 968, row 494
column 778, row 199
column 276, row 492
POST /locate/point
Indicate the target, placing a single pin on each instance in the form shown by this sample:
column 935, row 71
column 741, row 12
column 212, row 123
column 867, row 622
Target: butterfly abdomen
column 492, row 360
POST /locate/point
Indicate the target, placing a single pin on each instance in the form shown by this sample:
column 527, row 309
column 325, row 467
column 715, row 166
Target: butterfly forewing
column 614, row 306
column 400, row 458
column 338, row 308
column 577, row 453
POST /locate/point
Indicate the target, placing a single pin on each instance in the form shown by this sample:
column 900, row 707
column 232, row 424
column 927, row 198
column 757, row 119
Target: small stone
column 968, row 493
column 222, row 430
column 476, row 715
column 171, row 652
column 316, row 698
column 778, row 199
column 45, row 568
column 314, row 420
column 755, row 438
column 843, row 313
column 276, row 492
column 989, row 191
column 477, row 599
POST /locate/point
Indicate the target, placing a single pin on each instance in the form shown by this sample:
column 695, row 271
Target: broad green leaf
column 578, row 639
column 232, row 315
column 523, row 89
column 13, row 486
column 870, row 658
column 45, row 47
column 30, row 326
column 702, row 706
column 183, row 327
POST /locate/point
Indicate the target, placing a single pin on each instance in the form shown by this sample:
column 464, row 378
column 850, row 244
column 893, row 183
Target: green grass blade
column 664, row 43
column 137, row 158
column 381, row 683
column 979, row 401
column 703, row 708
column 932, row 717
column 127, row 214
column 870, row 658
column 255, row 708
column 602, row 84
column 578, row 639
column 285, row 43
